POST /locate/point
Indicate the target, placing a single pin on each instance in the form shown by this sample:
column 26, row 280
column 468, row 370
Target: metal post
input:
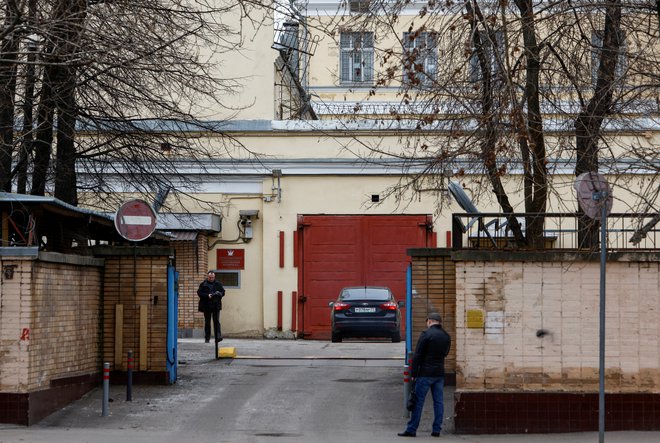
column 106, row 388
column 408, row 351
column 129, row 377
column 457, row 232
column 406, row 388
column 601, row 348
column 409, row 308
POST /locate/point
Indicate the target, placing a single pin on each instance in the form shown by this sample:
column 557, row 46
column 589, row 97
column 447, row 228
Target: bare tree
column 509, row 70
column 102, row 87
column 8, row 55
column 590, row 119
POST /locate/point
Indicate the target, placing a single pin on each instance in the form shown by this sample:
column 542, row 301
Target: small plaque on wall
column 475, row 319
column 233, row 259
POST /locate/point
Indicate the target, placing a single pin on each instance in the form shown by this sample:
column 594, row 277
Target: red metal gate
column 352, row 250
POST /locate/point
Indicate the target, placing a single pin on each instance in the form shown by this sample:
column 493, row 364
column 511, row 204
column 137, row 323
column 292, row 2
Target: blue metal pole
column 408, row 310
column 172, row 322
column 406, row 364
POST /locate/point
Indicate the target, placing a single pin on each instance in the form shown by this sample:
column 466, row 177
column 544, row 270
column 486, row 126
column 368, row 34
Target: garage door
column 352, row 250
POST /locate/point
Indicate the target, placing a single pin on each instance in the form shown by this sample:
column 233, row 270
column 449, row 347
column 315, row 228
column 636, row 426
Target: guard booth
column 64, row 272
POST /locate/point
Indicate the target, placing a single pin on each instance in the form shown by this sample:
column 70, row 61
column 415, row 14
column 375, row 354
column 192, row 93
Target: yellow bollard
column 229, row 352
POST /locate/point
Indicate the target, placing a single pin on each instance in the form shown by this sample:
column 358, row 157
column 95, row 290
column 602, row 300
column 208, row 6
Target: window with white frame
column 597, row 45
column 357, row 57
column 493, row 48
column 420, row 58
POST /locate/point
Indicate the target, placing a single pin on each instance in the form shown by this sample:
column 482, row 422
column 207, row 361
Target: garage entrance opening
column 336, row 251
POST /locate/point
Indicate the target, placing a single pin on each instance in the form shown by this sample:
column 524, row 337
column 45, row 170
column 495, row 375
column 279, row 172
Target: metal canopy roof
column 99, row 225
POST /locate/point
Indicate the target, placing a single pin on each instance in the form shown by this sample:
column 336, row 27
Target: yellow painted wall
column 253, row 307
column 250, row 64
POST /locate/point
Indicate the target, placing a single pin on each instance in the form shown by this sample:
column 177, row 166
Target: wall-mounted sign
column 233, row 259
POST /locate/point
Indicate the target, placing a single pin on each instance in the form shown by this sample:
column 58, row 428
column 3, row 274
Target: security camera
column 245, row 221
column 248, row 213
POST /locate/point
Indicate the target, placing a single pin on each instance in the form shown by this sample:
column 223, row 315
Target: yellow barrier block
column 227, row 352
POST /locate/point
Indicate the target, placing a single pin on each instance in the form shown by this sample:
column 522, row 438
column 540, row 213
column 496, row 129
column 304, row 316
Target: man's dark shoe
column 435, row 434
column 207, row 340
column 406, row 434
column 219, row 339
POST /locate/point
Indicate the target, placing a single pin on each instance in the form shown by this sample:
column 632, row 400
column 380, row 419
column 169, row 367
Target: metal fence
column 637, row 232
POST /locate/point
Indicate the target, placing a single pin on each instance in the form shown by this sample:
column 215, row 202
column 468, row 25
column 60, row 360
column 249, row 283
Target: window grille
column 597, row 45
column 359, row 6
column 493, row 55
column 357, row 57
column 420, row 63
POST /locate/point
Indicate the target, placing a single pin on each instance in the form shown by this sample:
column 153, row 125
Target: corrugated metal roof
column 183, row 235
column 38, row 199
column 56, row 205
column 184, row 221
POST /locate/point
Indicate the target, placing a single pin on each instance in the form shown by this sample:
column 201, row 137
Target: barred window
column 597, row 45
column 493, row 50
column 359, row 6
column 357, row 57
column 420, row 58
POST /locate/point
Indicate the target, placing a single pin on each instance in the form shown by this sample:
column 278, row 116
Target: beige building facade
column 350, row 160
column 314, row 137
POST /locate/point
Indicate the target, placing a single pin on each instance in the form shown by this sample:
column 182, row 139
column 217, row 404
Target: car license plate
column 359, row 310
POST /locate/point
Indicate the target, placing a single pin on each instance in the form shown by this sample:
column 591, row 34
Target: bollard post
column 106, row 388
column 407, row 368
column 129, row 377
column 406, row 389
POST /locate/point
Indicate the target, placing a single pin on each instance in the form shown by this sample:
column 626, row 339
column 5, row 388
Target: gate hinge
column 302, row 224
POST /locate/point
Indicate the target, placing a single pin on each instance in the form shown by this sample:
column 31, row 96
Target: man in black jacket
column 210, row 295
column 428, row 372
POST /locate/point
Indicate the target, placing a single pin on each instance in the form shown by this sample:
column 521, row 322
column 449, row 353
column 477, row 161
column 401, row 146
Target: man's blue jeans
column 422, row 386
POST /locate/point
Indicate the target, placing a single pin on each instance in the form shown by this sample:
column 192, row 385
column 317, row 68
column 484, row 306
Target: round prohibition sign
column 135, row 220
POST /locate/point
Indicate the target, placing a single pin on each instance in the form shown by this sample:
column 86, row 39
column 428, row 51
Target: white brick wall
column 520, row 298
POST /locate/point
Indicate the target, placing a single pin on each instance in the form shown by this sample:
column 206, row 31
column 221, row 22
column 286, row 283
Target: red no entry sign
column 135, row 220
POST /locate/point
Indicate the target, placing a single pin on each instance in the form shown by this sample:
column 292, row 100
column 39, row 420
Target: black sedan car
column 366, row 311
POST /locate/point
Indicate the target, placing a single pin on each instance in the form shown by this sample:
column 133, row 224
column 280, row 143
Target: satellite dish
column 589, row 186
column 462, row 198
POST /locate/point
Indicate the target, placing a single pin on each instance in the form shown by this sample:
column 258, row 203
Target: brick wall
column 49, row 324
column 192, row 264
column 434, row 289
column 541, row 326
column 64, row 337
column 15, row 325
column 49, row 333
column 133, row 284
